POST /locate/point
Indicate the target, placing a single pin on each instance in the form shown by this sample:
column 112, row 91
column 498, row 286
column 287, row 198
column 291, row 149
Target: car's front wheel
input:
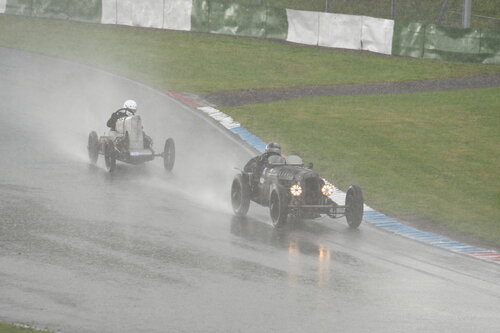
column 278, row 207
column 354, row 206
column 93, row 147
column 240, row 195
column 109, row 156
column 169, row 154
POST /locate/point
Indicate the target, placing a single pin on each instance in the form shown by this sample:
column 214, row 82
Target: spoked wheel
column 240, row 196
column 109, row 156
column 278, row 208
column 354, row 206
column 169, row 154
column 93, row 147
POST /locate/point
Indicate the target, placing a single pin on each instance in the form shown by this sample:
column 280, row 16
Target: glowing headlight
column 327, row 189
column 296, row 190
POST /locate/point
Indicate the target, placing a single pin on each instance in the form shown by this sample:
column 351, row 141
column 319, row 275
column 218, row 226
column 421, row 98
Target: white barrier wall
column 148, row 13
column 124, row 12
column 303, row 27
column 108, row 12
column 3, row 3
column 166, row 14
column 177, row 14
column 339, row 30
column 376, row 35
column 144, row 13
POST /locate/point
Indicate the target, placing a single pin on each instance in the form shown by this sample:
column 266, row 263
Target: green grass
column 432, row 156
column 6, row 328
column 203, row 63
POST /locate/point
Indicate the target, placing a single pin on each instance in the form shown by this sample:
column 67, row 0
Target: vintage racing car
column 128, row 144
column 288, row 188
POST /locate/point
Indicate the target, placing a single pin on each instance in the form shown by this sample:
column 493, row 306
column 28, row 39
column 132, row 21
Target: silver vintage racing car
column 128, row 143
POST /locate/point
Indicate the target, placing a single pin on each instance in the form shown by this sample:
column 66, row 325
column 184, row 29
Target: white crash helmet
column 130, row 105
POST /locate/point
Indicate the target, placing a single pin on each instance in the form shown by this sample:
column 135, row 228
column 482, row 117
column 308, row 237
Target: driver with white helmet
column 129, row 108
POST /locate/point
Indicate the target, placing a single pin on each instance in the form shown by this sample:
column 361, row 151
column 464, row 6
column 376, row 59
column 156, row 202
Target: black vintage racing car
column 288, row 188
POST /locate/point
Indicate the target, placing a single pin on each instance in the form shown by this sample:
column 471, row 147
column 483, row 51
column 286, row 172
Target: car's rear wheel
column 354, row 206
column 169, row 154
column 109, row 156
column 240, row 195
column 278, row 207
column 93, row 147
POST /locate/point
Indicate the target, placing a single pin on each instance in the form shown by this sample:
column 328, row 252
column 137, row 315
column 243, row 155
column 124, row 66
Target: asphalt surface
column 147, row 251
column 256, row 96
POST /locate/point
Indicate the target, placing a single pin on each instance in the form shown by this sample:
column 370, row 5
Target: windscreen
column 294, row 160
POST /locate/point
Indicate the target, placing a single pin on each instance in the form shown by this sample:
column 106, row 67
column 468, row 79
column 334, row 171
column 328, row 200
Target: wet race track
column 146, row 251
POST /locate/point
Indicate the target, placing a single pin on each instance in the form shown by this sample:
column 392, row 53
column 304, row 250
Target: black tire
column 93, row 147
column 109, row 156
column 169, row 154
column 278, row 207
column 354, row 206
column 240, row 196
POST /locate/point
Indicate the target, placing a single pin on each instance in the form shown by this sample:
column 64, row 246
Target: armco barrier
column 76, row 10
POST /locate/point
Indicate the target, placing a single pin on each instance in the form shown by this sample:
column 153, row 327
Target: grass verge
column 427, row 156
column 203, row 63
column 6, row 328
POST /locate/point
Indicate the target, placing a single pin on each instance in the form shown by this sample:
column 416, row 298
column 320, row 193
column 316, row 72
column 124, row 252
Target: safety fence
column 76, row 10
column 305, row 27
column 433, row 42
column 161, row 14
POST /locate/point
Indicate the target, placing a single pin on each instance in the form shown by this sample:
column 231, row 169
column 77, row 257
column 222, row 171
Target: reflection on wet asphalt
column 146, row 251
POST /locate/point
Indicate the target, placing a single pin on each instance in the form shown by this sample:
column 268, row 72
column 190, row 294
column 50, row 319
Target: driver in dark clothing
column 129, row 108
column 257, row 164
